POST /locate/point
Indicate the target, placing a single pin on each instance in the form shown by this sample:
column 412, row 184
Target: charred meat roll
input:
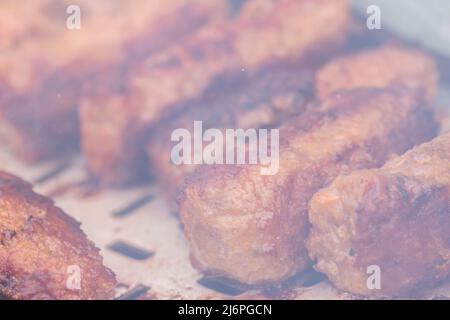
column 381, row 67
column 391, row 223
column 44, row 66
column 265, row 32
column 253, row 227
column 41, row 248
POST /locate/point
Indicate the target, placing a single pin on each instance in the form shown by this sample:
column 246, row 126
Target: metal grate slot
column 130, row 251
column 222, row 285
column 53, row 173
column 135, row 205
column 134, row 293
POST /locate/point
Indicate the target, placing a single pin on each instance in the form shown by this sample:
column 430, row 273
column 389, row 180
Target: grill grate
column 134, row 293
column 130, row 250
column 132, row 207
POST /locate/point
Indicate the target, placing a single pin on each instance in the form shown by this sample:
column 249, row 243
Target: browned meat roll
column 252, row 227
column 45, row 66
column 41, row 248
column 115, row 126
column 395, row 219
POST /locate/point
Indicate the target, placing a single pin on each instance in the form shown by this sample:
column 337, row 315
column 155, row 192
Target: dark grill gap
column 53, row 173
column 130, row 250
column 133, row 206
column 134, row 293
column 222, row 285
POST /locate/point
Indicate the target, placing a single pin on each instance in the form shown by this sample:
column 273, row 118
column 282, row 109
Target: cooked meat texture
column 114, row 127
column 258, row 104
column 396, row 218
column 43, row 74
column 90, row 47
column 274, row 95
column 14, row 30
column 381, row 67
column 39, row 244
column 251, row 227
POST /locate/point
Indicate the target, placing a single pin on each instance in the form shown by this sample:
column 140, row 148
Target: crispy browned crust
column 253, row 228
column 381, row 67
column 396, row 217
column 38, row 242
column 43, row 73
column 278, row 31
column 273, row 96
